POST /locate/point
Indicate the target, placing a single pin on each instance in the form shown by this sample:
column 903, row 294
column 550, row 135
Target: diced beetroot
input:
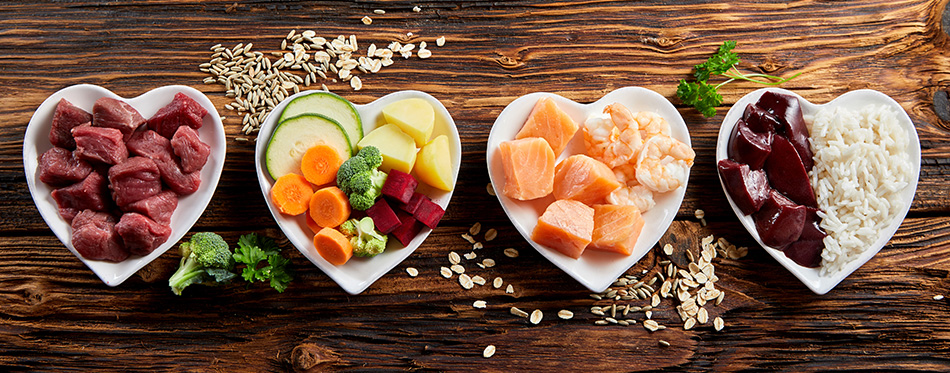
column 95, row 238
column 748, row 188
column 780, row 221
column 192, row 152
column 112, row 113
column 400, row 186
column 59, row 167
column 140, row 234
column 429, row 213
column 90, row 194
column 97, row 144
column 383, row 216
column 182, row 111
column 66, row 117
column 787, row 173
column 407, row 230
column 749, row 147
column 806, row 253
column 413, row 203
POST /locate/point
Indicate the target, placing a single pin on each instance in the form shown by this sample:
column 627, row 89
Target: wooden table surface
column 56, row 315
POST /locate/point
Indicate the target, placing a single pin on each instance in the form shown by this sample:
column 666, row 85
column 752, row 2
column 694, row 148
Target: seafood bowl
column 811, row 277
column 595, row 270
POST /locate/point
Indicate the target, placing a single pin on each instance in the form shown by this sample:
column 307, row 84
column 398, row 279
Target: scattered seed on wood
column 479, row 304
column 510, row 289
column 477, row 246
column 416, row 9
column 651, row 325
column 491, row 234
column 379, row 11
column 689, row 324
column 489, row 351
column 597, row 312
column 938, row 297
column 600, row 322
column 440, row 41
column 536, row 316
column 470, row 255
column 412, row 272
column 497, row 282
column 466, row 281
column 468, row 237
column 565, row 314
column 488, row 262
column 454, row 258
column 668, row 249
column 518, row 312
column 445, row 272
column 478, row 280
column 718, row 323
column 457, row 269
column 511, row 252
column 703, row 316
column 475, row 229
column 489, row 188
column 664, row 343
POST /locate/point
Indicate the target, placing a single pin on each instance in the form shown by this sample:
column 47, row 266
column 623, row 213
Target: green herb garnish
column 252, row 250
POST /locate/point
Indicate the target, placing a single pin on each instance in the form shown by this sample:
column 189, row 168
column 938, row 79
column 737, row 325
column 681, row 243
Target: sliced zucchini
column 295, row 135
column 331, row 106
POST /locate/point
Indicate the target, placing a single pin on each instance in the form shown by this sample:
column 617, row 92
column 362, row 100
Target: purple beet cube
column 428, row 213
column 413, row 203
column 383, row 216
column 400, row 186
column 407, row 230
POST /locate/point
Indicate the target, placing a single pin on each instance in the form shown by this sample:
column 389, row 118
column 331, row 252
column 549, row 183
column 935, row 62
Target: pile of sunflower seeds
column 257, row 84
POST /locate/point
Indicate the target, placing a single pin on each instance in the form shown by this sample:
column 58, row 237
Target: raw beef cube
column 182, row 111
column 65, row 118
column 111, row 113
column 178, row 181
column 141, row 234
column 60, row 167
column 97, row 144
column 189, row 148
column 159, row 207
column 133, row 180
column 95, row 238
column 149, row 144
column 89, row 194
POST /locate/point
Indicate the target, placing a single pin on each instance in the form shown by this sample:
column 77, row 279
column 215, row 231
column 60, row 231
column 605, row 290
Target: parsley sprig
column 252, row 250
column 704, row 96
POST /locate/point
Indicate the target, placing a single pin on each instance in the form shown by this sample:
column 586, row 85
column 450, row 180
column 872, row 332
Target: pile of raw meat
column 118, row 176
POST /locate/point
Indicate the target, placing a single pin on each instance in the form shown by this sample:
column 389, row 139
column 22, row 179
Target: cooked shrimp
column 612, row 137
column 630, row 192
column 663, row 164
column 651, row 124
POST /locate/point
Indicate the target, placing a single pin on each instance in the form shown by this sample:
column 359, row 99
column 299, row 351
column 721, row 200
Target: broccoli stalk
column 205, row 259
column 364, row 237
column 360, row 178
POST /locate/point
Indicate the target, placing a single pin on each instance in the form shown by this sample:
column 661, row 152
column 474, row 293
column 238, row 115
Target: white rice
column 861, row 167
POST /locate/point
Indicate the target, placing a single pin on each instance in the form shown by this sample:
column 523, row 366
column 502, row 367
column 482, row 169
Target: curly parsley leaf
column 252, row 250
column 719, row 63
column 700, row 95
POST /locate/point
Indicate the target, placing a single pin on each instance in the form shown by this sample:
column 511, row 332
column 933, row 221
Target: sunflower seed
column 718, row 323
column 412, row 272
column 454, row 258
column 497, row 282
column 475, row 229
column 565, row 314
column 445, row 272
column 511, row 252
column 536, row 316
column 489, row 351
column 600, row 322
column 518, row 312
column 379, row 11
column 479, row 304
column 466, row 281
column 611, row 320
column 597, row 312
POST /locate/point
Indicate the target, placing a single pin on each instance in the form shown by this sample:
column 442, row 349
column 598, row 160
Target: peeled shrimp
column 630, row 192
column 613, row 137
column 651, row 124
column 663, row 164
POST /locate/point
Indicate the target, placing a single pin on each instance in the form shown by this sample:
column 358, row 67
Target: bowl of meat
column 119, row 181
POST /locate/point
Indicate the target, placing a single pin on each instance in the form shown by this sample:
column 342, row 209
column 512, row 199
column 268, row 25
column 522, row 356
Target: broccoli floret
column 364, row 237
column 360, row 179
column 205, row 259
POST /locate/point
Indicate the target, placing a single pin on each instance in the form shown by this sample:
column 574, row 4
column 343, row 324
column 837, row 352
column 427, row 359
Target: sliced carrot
column 312, row 224
column 320, row 164
column 291, row 194
column 329, row 207
column 333, row 246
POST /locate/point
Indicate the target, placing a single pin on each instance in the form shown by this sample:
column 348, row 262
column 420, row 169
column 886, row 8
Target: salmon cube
column 584, row 179
column 549, row 122
column 566, row 226
column 616, row 228
column 529, row 168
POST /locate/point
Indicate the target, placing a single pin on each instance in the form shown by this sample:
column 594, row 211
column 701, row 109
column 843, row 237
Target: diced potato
column 434, row 164
column 398, row 148
column 414, row 116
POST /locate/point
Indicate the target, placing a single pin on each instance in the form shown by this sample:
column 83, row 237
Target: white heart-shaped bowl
column 359, row 273
column 594, row 269
column 190, row 207
column 854, row 100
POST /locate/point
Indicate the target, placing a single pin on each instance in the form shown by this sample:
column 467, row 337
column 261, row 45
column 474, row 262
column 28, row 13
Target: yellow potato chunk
column 398, row 148
column 434, row 164
column 414, row 116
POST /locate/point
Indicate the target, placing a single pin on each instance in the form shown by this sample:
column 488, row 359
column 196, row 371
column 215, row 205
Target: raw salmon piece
column 565, row 226
column 616, row 228
column 549, row 122
column 529, row 168
column 584, row 179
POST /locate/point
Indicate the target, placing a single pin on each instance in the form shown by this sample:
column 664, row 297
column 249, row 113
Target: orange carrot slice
column 312, row 224
column 333, row 246
column 320, row 164
column 329, row 207
column 291, row 194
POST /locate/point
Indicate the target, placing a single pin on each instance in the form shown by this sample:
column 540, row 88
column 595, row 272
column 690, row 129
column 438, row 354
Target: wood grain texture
column 55, row 315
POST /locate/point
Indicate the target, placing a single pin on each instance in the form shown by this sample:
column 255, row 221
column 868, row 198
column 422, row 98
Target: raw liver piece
column 780, row 221
column 760, row 120
column 91, row 193
column 566, row 226
column 140, row 234
column 182, row 111
column 789, row 113
column 806, row 253
column 747, row 146
column 95, row 238
column 159, row 207
column 97, row 144
column 111, row 113
column 134, row 180
column 190, row 150
column 584, row 179
column 749, row 189
column 60, row 167
column 66, row 117
column 787, row 173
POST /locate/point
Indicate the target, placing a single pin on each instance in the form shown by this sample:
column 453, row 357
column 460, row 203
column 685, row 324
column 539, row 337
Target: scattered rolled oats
column 489, row 351
column 718, row 323
column 412, row 272
column 466, row 281
column 445, row 272
column 497, row 282
column 457, row 268
column 488, row 262
column 478, row 280
column 510, row 289
column 565, row 314
column 480, row 304
column 518, row 312
column 536, row 317
column 511, row 252
column 440, row 42
column 366, row 20
column 938, row 297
